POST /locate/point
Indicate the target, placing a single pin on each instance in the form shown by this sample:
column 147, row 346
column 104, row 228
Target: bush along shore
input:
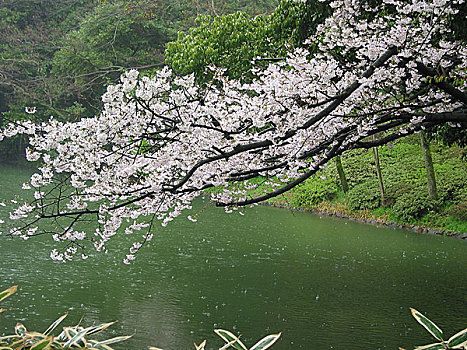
column 351, row 188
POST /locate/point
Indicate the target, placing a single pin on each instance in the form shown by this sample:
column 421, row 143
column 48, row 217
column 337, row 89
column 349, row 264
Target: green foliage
column 364, row 196
column 229, row 41
column 234, row 41
column 75, row 337
column 314, row 191
column 452, row 184
column 57, row 53
column 413, row 205
column 232, row 341
column 396, row 190
column 29, row 32
column 459, row 211
column 108, row 41
column 457, row 341
column 404, row 174
column 358, row 167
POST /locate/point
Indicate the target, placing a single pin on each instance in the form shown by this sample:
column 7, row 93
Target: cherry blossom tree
column 381, row 72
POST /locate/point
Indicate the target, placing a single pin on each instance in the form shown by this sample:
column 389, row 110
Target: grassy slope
column 404, row 177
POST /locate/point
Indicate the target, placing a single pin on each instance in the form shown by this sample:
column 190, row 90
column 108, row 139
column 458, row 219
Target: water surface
column 324, row 283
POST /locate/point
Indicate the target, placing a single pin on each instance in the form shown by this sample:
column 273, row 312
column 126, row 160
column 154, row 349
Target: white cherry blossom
column 159, row 142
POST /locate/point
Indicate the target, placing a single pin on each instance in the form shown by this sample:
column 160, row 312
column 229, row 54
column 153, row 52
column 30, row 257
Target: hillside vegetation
column 407, row 201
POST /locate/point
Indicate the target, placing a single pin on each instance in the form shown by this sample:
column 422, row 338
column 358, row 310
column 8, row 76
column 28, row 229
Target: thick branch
column 446, row 87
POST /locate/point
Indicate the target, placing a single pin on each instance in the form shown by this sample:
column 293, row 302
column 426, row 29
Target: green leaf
column 200, row 346
column 55, row 324
column 98, row 328
column 62, row 336
column 20, row 329
column 7, row 337
column 43, row 344
column 6, row 293
column 78, row 336
column 435, row 346
column 266, row 342
column 230, row 338
column 458, row 338
column 70, row 332
column 37, row 335
column 429, row 325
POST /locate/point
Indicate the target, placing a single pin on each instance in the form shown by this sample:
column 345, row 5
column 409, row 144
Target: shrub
column 413, row 205
column 459, row 211
column 364, row 196
column 232, row 341
column 452, row 185
column 75, row 337
column 314, row 191
column 396, row 190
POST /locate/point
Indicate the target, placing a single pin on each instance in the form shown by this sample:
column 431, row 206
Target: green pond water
column 324, row 283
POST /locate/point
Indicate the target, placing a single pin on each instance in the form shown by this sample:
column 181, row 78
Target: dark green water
column 325, row 283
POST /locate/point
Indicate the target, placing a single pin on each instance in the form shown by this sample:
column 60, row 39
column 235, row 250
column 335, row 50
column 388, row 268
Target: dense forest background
column 59, row 56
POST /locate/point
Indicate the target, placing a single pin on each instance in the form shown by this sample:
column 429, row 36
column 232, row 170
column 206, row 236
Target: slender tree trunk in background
column 20, row 145
column 340, row 171
column 380, row 177
column 430, row 171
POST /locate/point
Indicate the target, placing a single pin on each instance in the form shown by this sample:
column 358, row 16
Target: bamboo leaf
column 428, row 324
column 75, row 339
column 70, row 332
column 20, row 329
column 6, row 293
column 55, row 324
column 435, row 346
column 229, row 337
column 458, row 338
column 43, row 344
column 266, row 342
column 62, row 336
column 229, row 344
column 36, row 335
column 15, row 345
column 114, row 340
column 98, row 328
column 154, row 348
column 6, row 337
column 200, row 346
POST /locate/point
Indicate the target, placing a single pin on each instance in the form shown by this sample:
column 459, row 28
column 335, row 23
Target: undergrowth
column 404, row 178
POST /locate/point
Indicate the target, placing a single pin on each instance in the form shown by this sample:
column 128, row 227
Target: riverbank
column 366, row 217
column 406, row 202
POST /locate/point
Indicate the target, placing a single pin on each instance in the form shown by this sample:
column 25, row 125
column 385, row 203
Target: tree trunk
column 380, row 177
column 340, row 171
column 430, row 171
column 20, row 145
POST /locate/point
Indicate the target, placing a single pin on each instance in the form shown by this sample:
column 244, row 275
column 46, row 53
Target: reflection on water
column 325, row 283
